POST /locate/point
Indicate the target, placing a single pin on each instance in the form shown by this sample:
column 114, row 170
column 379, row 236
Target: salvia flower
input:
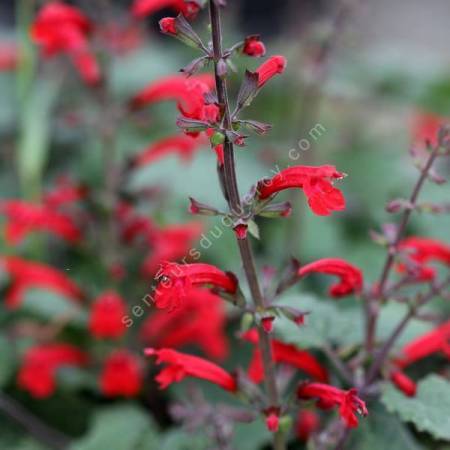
column 202, row 314
column 307, row 423
column 167, row 25
column 37, row 373
column 253, row 46
column 275, row 65
column 432, row 342
column 144, row 8
column 403, row 382
column 329, row 396
column 420, row 251
column 175, row 281
column 27, row 275
column 106, row 316
column 316, row 182
column 286, row 354
column 24, row 218
column 122, row 375
column 181, row 365
column 272, row 419
column 425, row 128
column 350, row 277
column 9, row 57
column 60, row 28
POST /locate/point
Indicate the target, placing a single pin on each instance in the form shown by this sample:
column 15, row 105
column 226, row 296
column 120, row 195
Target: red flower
column 122, row 375
column 323, row 198
column 26, row 217
column 167, row 25
column 425, row 128
column 134, row 226
column 403, row 382
column 63, row 193
column 307, row 423
column 28, row 275
column 273, row 66
column 106, row 316
column 176, row 280
column 434, row 341
column 273, row 419
column 253, row 46
column 9, row 57
column 181, row 365
column 286, row 354
column 60, row 28
column 143, row 8
column 421, row 251
column 329, row 396
column 181, row 145
column 351, row 278
column 170, row 244
column 37, row 374
column 202, row 314
column 187, row 92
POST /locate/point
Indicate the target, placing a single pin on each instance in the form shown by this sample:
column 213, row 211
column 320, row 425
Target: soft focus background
column 363, row 70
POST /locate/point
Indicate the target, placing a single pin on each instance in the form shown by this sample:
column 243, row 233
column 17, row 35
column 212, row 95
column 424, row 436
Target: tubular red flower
column 284, row 353
column 316, row 183
column 273, row 66
column 351, row 278
column 272, row 419
column 170, row 244
column 24, row 217
column 421, row 251
column 253, row 46
column 434, row 341
column 106, row 316
column 122, row 375
column 329, row 396
column 202, row 314
column 181, row 365
column 65, row 192
column 144, row 8
column 60, row 28
column 27, row 275
column 176, row 280
column 181, row 145
column 37, row 373
column 425, row 128
column 307, row 423
column 403, row 382
column 9, row 57
column 167, row 25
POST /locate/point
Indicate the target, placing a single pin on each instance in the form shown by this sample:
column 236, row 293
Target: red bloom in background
column 307, row 423
column 403, row 382
column 202, row 314
column 351, row 278
column 176, row 280
column 144, row 8
column 434, row 341
column 425, row 127
column 253, row 46
column 329, row 396
column 182, row 145
column 187, row 92
column 60, row 28
column 120, row 38
column 275, row 65
column 284, row 353
column 37, row 374
column 121, row 375
column 316, row 183
column 106, row 316
column 134, row 226
column 65, row 192
column 181, row 365
column 420, row 251
column 9, row 57
column 24, row 218
column 27, row 275
column 170, row 244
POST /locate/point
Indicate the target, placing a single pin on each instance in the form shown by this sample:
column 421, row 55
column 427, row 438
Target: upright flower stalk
column 234, row 203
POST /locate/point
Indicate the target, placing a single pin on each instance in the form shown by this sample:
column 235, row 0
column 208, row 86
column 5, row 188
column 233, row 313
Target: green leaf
column 121, row 427
column 428, row 411
column 7, row 361
column 381, row 430
column 181, row 440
